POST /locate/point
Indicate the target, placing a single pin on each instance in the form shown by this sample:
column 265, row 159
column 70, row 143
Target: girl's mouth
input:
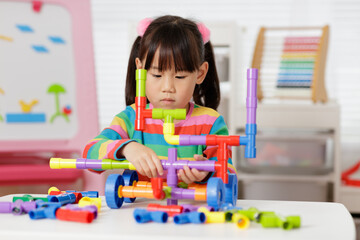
column 167, row 101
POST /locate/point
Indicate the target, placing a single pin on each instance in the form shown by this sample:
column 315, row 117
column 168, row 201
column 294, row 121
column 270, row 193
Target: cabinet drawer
column 290, row 152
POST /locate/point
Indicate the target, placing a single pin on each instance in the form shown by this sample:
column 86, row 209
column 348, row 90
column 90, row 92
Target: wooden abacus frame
column 318, row 91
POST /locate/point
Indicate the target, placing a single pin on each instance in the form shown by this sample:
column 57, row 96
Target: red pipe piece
column 171, row 210
column 74, row 216
column 157, row 186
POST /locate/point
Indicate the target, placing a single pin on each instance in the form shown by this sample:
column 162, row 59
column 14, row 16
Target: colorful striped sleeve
column 219, row 128
column 111, row 139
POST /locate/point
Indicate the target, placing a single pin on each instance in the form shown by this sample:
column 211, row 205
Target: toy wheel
column 215, row 193
column 113, row 182
column 129, row 178
column 231, row 190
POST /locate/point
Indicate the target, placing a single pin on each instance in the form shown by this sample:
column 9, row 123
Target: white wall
column 111, row 19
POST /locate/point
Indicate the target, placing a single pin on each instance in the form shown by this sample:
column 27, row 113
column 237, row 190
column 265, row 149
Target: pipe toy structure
column 220, row 189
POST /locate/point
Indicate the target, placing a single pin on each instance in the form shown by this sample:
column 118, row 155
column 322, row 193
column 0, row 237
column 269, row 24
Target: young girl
column 179, row 60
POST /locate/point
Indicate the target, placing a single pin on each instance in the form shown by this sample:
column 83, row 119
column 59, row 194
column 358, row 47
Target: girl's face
column 169, row 89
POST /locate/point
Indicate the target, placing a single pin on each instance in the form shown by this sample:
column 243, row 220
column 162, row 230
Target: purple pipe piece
column 172, row 178
column 19, row 207
column 6, row 207
column 192, row 140
column 180, row 193
column 207, row 165
column 171, row 202
column 189, row 208
column 192, row 208
column 251, row 100
column 91, row 208
column 81, row 163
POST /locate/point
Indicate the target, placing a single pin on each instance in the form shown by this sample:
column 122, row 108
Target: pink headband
column 143, row 25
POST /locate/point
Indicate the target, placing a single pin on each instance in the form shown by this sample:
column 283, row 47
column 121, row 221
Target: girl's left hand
column 188, row 175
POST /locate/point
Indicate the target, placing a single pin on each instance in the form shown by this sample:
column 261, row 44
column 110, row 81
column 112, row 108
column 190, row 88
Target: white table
column 319, row 221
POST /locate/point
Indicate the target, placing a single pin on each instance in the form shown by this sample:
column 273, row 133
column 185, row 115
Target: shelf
column 285, row 178
column 288, row 115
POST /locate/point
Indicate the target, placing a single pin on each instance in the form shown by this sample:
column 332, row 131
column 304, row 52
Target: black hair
column 180, row 43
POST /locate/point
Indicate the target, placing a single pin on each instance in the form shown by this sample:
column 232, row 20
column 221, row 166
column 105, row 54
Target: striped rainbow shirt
column 199, row 121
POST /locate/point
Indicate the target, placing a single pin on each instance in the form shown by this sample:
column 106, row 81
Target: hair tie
column 205, row 32
column 142, row 26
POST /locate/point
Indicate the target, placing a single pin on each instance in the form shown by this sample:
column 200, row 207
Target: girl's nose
column 168, row 85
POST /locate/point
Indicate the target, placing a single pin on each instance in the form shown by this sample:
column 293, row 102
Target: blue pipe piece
column 63, row 198
column 250, row 148
column 46, row 210
column 191, row 217
column 143, row 216
column 90, row 194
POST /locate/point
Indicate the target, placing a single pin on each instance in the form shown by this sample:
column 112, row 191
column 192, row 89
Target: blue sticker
column 40, row 48
column 56, row 40
column 25, row 118
column 24, row 28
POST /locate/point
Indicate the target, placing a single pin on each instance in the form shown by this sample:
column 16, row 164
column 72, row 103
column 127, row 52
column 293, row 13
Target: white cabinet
column 304, row 126
column 296, row 130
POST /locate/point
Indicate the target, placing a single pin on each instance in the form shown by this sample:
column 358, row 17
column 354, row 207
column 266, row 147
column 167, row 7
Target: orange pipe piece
column 200, row 194
column 132, row 192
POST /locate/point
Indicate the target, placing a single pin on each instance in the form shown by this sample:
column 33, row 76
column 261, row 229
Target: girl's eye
column 180, row 77
column 156, row 75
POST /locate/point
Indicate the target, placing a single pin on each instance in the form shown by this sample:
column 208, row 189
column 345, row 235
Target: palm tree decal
column 56, row 89
column 1, row 117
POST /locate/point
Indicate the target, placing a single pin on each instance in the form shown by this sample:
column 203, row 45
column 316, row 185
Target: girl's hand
column 188, row 175
column 143, row 158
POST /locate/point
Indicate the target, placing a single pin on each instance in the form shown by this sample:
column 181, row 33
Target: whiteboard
column 46, row 72
column 36, row 67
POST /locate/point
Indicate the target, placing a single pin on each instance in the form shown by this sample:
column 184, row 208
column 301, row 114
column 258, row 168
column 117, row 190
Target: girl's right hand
column 143, row 158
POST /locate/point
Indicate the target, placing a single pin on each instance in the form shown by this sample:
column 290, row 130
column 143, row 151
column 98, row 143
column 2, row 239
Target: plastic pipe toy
column 74, row 215
column 56, row 191
column 140, row 105
column 20, row 207
column 90, row 208
column 86, row 201
column 271, row 220
column 171, row 210
column 193, row 208
column 45, row 210
column 240, row 220
column 213, row 217
column 252, row 213
column 28, row 198
column 6, row 207
column 63, row 199
column 219, row 189
column 143, row 216
column 190, row 217
column 90, row 194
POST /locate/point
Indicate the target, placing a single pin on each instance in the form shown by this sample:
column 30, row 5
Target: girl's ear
column 202, row 72
column 138, row 63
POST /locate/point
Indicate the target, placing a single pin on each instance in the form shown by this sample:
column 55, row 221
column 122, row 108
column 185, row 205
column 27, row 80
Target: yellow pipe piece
column 86, row 201
column 53, row 189
column 131, row 167
column 58, row 163
column 240, row 220
column 172, row 139
column 169, row 131
column 213, row 217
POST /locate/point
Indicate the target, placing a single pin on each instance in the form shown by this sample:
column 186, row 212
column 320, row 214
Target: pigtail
column 130, row 87
column 208, row 93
